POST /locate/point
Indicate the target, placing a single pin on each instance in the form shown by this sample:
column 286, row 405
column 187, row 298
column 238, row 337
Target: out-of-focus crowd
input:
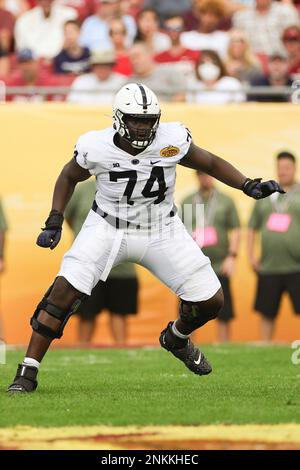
column 178, row 48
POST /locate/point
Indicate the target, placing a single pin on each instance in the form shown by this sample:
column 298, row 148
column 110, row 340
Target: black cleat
column 191, row 356
column 25, row 380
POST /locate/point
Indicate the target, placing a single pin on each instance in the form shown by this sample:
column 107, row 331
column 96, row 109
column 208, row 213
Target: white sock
column 28, row 361
column 177, row 333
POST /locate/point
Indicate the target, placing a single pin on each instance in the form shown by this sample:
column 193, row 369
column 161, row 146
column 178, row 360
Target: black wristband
column 245, row 184
column 54, row 221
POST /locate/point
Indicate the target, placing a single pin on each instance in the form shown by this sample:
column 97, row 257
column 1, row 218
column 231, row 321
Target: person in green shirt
column 3, row 229
column 211, row 217
column 120, row 291
column 277, row 221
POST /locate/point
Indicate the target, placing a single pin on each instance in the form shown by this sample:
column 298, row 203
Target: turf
column 148, row 386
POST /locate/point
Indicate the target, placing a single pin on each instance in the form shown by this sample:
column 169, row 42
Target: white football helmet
column 136, row 101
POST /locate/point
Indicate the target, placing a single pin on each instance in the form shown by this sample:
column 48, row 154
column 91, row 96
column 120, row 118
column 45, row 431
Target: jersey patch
column 169, row 151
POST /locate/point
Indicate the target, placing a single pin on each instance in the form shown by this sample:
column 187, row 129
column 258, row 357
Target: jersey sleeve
column 176, row 142
column 82, row 155
column 184, row 140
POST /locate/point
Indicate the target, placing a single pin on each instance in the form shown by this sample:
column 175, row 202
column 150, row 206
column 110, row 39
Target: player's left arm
column 200, row 159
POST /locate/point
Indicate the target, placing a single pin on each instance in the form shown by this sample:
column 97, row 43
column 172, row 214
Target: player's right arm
column 71, row 174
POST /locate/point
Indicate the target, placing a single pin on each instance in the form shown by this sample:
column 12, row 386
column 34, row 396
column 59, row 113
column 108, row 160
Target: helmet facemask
column 139, row 138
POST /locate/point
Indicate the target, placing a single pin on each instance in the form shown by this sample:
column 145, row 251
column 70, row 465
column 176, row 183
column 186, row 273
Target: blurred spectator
column 29, row 74
column 174, row 26
column 165, row 7
column 118, row 294
column 208, row 36
column 17, row 7
column 131, row 7
column 211, row 84
column 148, row 31
column 73, row 58
column 95, row 29
column 241, row 62
column 219, row 238
column 99, row 86
column 264, row 24
column 84, row 8
column 42, row 28
column 118, row 33
column 7, row 23
column 291, row 42
column 4, row 64
column 278, row 76
column 236, row 5
column 277, row 221
column 160, row 78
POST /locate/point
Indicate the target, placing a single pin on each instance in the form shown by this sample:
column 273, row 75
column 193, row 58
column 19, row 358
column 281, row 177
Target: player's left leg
column 176, row 336
column 177, row 261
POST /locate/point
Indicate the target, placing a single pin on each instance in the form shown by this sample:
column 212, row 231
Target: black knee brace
column 56, row 312
column 195, row 315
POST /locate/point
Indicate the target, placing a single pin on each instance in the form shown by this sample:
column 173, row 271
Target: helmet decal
column 144, row 96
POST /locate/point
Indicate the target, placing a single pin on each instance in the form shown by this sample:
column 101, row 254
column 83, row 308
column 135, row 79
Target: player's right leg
column 48, row 322
column 81, row 269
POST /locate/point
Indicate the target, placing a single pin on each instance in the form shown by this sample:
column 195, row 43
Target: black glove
column 50, row 236
column 258, row 190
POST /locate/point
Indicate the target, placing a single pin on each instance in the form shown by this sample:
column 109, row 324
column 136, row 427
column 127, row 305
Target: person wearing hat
column 278, row 76
column 291, row 42
column 99, row 86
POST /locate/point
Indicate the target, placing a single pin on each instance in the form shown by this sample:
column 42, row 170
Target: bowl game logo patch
column 169, row 151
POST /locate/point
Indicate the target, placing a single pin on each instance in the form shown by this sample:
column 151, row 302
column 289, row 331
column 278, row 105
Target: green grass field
column 149, row 386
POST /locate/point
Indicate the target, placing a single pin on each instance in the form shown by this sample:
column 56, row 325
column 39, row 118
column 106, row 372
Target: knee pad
column 196, row 314
column 56, row 312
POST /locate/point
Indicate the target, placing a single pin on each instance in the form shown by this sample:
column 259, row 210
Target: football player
column 133, row 218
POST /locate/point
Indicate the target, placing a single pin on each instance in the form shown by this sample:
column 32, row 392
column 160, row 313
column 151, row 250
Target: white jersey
column 138, row 189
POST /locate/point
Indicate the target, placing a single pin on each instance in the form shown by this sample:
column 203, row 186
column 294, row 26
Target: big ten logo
column 295, row 98
column 295, row 358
